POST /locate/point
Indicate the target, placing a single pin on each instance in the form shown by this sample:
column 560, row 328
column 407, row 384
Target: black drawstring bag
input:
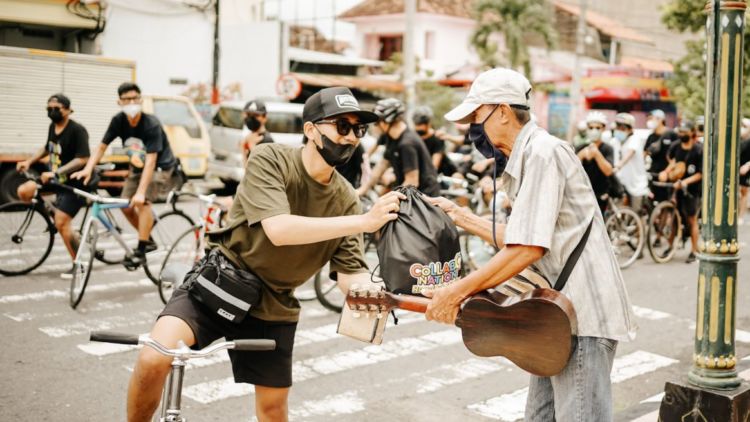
column 420, row 250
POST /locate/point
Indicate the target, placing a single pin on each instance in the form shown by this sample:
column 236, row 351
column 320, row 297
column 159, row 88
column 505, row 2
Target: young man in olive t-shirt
column 292, row 213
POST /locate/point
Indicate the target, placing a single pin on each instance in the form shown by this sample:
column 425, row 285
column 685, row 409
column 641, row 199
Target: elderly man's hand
column 444, row 306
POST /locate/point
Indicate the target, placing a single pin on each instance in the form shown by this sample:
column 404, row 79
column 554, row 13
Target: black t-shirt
column 408, row 153
column 744, row 151
column 599, row 181
column 352, row 169
column 72, row 142
column 692, row 159
column 145, row 138
column 657, row 147
column 436, row 145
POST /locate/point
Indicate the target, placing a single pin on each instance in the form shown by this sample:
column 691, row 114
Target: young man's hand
column 84, row 174
column 46, row 177
column 137, row 200
column 22, row 166
column 384, row 210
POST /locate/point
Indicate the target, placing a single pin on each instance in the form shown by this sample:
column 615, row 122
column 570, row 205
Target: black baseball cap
column 62, row 99
column 329, row 102
column 255, row 106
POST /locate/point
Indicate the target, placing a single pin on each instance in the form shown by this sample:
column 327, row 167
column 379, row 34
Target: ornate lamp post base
column 684, row 402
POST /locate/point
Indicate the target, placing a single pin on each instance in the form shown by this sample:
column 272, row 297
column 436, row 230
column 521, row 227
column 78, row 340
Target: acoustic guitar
column 534, row 330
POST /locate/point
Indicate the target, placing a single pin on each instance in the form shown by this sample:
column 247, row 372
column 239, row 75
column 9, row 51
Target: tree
column 688, row 84
column 516, row 21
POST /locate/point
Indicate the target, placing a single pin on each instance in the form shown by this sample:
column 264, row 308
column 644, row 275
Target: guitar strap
column 572, row 260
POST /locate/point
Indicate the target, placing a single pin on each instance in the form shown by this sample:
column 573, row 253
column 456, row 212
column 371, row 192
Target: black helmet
column 422, row 115
column 389, row 109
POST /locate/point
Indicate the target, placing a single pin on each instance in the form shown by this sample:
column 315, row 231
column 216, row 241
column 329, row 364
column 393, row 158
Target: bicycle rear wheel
column 167, row 227
column 663, row 232
column 26, row 238
column 83, row 263
column 186, row 250
column 327, row 291
column 626, row 233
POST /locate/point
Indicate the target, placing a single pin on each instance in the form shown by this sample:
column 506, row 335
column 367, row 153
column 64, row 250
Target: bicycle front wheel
column 626, row 234
column 167, row 227
column 26, row 238
column 186, row 250
column 663, row 232
column 83, row 263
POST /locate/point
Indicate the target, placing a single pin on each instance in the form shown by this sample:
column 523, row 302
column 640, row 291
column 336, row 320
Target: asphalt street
column 422, row 372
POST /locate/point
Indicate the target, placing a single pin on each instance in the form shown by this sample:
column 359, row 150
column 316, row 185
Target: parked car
column 227, row 160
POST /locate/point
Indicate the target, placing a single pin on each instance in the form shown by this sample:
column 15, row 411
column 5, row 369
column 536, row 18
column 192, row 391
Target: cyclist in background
column 597, row 157
column 67, row 147
column 422, row 119
column 631, row 168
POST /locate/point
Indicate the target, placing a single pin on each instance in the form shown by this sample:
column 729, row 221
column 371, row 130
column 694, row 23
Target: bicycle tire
column 83, row 264
column 323, row 290
column 46, row 238
column 476, row 252
column 622, row 219
column 658, row 256
column 165, row 224
column 189, row 243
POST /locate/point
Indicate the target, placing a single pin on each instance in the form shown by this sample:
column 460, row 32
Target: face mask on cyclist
column 652, row 124
column 684, row 138
column 593, row 135
column 421, row 132
column 334, row 154
column 252, row 123
column 131, row 110
column 621, row 135
column 54, row 114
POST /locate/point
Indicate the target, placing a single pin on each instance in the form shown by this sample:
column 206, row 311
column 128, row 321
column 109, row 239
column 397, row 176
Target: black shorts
column 688, row 204
column 65, row 200
column 267, row 368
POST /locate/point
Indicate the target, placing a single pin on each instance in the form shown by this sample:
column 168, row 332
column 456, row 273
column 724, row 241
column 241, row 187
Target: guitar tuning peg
column 380, row 294
column 379, row 315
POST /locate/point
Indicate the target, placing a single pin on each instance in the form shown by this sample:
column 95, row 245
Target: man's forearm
column 148, row 173
column 604, row 166
column 41, row 153
column 481, row 227
column 507, row 263
column 73, row 165
column 287, row 229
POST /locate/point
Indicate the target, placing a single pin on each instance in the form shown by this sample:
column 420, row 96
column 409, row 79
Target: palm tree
column 516, row 20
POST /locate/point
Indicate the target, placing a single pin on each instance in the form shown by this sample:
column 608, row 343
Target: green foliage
column 441, row 99
column 516, row 21
column 688, row 84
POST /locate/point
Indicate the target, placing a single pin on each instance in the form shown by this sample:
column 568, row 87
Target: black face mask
column 252, row 123
column 421, row 132
column 684, row 138
column 334, row 154
column 482, row 143
column 55, row 115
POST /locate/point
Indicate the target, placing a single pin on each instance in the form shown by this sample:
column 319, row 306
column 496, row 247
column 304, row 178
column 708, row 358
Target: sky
column 319, row 13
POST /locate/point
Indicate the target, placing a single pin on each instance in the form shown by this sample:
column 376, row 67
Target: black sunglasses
column 343, row 126
column 53, row 108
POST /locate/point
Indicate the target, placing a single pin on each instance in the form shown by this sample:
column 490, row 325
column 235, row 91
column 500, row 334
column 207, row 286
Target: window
column 177, row 113
column 390, row 44
column 228, row 117
column 429, row 45
column 280, row 122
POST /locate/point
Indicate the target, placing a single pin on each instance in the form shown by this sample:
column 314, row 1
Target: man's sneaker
column 134, row 260
column 150, row 246
column 665, row 254
column 690, row 259
column 68, row 274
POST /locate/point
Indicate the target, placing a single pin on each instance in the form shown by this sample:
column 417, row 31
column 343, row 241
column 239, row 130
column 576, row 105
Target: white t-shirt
column 633, row 174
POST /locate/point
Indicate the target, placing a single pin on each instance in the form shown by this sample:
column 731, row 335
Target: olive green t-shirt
column 276, row 183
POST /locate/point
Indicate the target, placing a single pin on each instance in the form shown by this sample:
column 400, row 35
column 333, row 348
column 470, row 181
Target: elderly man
column 554, row 213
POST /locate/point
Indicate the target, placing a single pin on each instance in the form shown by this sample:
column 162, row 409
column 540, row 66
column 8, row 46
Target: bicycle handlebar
column 183, row 352
column 175, row 194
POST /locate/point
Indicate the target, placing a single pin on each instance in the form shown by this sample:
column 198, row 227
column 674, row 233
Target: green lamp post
column 714, row 392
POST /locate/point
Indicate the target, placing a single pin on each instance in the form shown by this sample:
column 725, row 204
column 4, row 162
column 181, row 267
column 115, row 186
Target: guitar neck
column 410, row 303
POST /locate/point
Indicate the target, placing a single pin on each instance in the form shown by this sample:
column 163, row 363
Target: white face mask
column 593, row 135
column 621, row 135
column 131, row 110
column 652, row 124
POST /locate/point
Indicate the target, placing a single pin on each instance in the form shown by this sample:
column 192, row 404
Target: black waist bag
column 222, row 288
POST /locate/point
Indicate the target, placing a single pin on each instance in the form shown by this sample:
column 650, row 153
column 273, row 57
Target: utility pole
column 713, row 391
column 575, row 86
column 410, row 9
column 217, row 51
